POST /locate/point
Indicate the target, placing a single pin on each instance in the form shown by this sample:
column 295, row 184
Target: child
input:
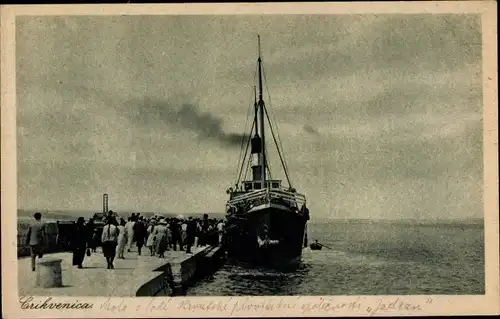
column 95, row 238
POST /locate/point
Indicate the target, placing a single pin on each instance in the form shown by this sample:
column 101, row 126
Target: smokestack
column 105, row 203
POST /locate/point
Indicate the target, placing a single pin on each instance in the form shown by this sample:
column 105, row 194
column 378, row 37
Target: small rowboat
column 315, row 246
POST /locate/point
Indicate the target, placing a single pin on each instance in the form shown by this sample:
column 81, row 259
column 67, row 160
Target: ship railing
column 286, row 193
column 294, row 199
column 248, row 197
column 265, row 195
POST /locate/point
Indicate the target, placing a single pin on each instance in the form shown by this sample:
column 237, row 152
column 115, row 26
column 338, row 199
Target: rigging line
column 246, row 173
column 247, row 116
column 268, row 167
column 279, row 153
column 245, row 156
column 272, row 113
column 278, row 144
column 246, row 170
column 243, row 141
column 240, row 159
column 248, row 167
column 249, row 137
column 282, row 150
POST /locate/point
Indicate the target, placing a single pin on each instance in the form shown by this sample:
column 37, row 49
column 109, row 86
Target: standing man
column 36, row 238
column 197, row 236
column 190, row 234
column 205, row 224
column 140, row 233
column 176, row 234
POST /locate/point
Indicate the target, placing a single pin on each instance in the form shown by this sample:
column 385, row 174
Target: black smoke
column 188, row 116
column 309, row 129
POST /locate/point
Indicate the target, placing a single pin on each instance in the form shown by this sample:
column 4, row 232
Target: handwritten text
column 28, row 303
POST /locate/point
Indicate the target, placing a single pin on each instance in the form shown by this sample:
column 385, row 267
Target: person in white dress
column 168, row 235
column 122, row 238
column 197, row 234
column 151, row 242
column 129, row 226
column 161, row 238
column 220, row 230
column 183, row 232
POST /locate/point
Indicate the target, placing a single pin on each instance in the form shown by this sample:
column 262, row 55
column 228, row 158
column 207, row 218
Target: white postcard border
column 252, row 306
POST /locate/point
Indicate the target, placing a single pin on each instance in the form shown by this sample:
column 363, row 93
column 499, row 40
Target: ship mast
column 258, row 143
column 262, row 130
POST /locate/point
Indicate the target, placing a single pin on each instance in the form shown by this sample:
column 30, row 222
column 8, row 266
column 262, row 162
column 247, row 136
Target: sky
column 380, row 116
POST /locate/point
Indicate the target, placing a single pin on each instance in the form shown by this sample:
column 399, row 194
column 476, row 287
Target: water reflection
column 236, row 278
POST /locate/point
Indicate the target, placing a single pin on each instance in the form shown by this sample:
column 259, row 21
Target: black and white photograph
column 235, row 155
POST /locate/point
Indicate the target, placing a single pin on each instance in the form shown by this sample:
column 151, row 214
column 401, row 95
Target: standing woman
column 95, row 240
column 168, row 232
column 130, row 231
column 183, row 233
column 90, row 233
column 79, row 239
column 122, row 238
column 161, row 238
column 109, row 240
column 197, row 233
column 150, row 243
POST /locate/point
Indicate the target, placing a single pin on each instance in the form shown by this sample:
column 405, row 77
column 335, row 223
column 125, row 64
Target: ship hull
column 284, row 227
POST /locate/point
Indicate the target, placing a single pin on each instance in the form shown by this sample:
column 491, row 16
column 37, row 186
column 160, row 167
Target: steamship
column 266, row 219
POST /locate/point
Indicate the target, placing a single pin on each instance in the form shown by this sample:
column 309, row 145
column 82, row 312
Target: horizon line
column 223, row 213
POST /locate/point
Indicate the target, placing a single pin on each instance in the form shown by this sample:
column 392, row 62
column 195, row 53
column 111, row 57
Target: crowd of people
column 157, row 233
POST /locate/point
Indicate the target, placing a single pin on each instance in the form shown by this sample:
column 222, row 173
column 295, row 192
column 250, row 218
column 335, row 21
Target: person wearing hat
column 36, row 238
column 151, row 241
column 129, row 226
column 175, row 227
column 78, row 242
column 140, row 233
column 122, row 238
column 161, row 238
column 168, row 225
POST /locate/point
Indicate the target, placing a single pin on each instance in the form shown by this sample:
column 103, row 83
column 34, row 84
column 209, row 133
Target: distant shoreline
column 69, row 215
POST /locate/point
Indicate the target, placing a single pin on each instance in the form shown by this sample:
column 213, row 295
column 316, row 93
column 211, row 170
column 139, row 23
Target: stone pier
column 134, row 276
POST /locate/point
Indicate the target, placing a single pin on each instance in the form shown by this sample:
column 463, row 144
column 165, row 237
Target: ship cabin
column 250, row 194
column 256, row 185
column 248, row 186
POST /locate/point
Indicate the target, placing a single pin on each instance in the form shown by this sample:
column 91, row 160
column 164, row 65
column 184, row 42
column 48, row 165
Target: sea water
column 368, row 258
column 362, row 258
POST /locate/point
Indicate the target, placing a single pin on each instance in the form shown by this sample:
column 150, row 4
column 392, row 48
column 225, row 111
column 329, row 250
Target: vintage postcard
column 248, row 160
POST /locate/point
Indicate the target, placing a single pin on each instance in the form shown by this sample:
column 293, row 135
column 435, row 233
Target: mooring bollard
column 49, row 273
